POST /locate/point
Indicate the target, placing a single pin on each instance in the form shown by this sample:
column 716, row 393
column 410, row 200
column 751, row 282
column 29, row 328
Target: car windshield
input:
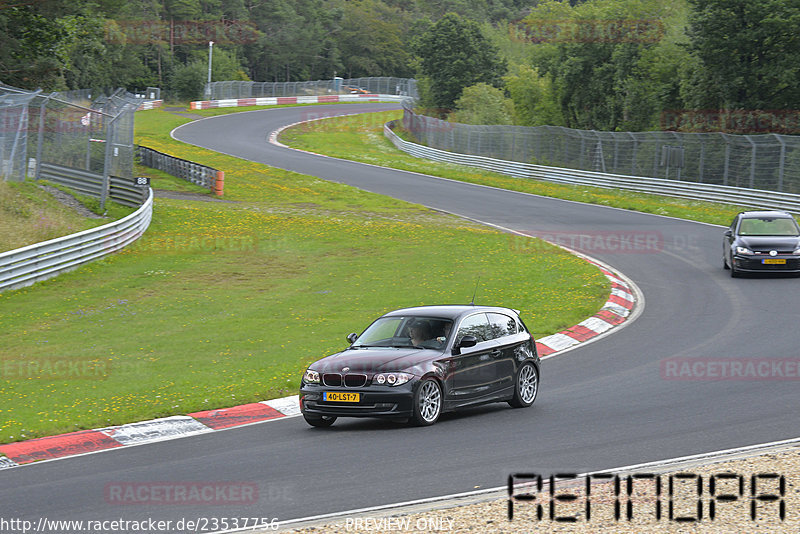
column 401, row 331
column 764, row 226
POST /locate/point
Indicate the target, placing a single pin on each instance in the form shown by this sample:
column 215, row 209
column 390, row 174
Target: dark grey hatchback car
column 762, row 241
column 416, row 363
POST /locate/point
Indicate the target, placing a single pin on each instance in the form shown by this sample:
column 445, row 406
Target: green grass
column 31, row 215
column 360, row 138
column 225, row 303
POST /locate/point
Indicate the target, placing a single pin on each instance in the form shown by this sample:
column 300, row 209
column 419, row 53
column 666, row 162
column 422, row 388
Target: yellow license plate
column 775, row 261
column 335, row 396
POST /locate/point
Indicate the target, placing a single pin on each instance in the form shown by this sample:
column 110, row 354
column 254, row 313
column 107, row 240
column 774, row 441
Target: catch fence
column 77, row 139
column 337, row 86
column 766, row 161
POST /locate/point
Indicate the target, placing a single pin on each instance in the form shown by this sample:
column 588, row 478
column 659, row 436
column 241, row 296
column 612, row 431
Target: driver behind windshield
column 419, row 332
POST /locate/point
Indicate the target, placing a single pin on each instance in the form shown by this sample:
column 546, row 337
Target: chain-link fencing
column 336, row 86
column 765, row 161
column 78, row 139
column 13, row 134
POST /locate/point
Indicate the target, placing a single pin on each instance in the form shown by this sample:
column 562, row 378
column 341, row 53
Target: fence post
column 727, row 159
column 111, row 128
column 702, row 157
column 40, row 136
column 752, row 162
column 781, row 162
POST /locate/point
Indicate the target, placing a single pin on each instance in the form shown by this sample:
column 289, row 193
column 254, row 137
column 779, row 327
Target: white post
column 208, row 83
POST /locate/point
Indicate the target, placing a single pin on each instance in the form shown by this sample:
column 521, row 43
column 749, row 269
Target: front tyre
column 427, row 403
column 320, row 421
column 526, row 387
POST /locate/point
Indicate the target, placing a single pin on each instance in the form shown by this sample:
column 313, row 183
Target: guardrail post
column 219, row 185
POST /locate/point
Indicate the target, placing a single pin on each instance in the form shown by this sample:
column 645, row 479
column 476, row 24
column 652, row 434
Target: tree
column 534, row 99
column 613, row 64
column 371, row 41
column 748, row 51
column 189, row 80
column 453, row 54
column 483, row 104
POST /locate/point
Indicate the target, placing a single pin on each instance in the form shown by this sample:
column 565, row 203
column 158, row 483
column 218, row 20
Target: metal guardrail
column 658, row 186
column 27, row 265
column 81, row 181
column 121, row 190
column 190, row 171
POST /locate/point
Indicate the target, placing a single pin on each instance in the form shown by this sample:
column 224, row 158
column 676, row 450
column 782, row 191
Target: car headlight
column 796, row 251
column 392, row 379
column 743, row 250
column 311, row 377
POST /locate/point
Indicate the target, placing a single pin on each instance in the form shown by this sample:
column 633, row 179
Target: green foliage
column 453, row 54
column 748, row 53
column 595, row 64
column 483, row 104
column 371, row 39
column 534, row 99
column 603, row 72
column 189, row 80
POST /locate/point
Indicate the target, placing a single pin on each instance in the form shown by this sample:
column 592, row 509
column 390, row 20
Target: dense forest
column 594, row 64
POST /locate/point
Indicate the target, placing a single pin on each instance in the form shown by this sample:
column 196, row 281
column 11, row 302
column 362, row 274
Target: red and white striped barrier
column 282, row 100
column 150, row 104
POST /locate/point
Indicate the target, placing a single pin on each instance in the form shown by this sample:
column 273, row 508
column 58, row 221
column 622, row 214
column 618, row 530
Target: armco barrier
column 24, row 266
column 120, row 190
column 281, row 100
column 190, row 171
column 658, row 186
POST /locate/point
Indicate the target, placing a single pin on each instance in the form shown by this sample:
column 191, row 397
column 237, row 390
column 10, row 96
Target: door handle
column 496, row 353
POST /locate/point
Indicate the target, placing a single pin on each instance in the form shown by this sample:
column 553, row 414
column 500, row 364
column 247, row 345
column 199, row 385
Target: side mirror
column 351, row 337
column 728, row 232
column 463, row 343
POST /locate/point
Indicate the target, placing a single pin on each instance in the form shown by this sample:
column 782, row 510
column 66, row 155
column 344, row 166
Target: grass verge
column 360, row 138
column 223, row 303
column 29, row 215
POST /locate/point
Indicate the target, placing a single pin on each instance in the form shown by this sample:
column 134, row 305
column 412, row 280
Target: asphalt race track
column 601, row 406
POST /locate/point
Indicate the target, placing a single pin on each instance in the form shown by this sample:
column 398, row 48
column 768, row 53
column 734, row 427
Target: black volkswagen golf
column 416, row 363
column 762, row 241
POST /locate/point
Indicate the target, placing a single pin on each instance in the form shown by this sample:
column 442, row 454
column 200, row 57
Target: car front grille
column 355, row 380
column 349, row 380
